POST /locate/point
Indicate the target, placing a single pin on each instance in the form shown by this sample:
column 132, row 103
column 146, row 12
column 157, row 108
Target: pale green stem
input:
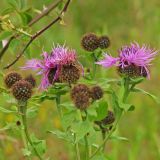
column 58, row 100
column 23, row 110
column 94, row 65
column 124, row 98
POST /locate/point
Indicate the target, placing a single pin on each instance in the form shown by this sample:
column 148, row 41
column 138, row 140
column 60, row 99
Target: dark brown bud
column 11, row 78
column 80, row 95
column 22, row 90
column 89, row 42
column 96, row 93
column 104, row 42
column 31, row 80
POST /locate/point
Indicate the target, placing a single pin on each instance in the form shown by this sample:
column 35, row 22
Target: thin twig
column 6, row 46
column 33, row 21
column 39, row 33
column 44, row 13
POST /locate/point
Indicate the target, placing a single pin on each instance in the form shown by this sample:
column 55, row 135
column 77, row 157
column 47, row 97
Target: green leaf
column 67, row 135
column 137, row 80
column 156, row 99
column 81, row 129
column 100, row 157
column 68, row 118
column 4, row 35
column 4, row 110
column 25, row 17
column 59, row 134
column 102, row 110
column 32, row 112
column 115, row 104
column 13, row 3
column 26, row 152
column 127, row 107
column 40, row 145
column 113, row 137
column 8, row 126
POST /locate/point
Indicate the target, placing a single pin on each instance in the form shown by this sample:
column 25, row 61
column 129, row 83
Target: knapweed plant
column 89, row 107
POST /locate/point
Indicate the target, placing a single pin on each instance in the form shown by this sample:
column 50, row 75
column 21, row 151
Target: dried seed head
column 80, row 95
column 89, row 42
column 31, row 80
column 70, row 73
column 11, row 78
column 22, row 90
column 96, row 93
column 132, row 71
column 104, row 42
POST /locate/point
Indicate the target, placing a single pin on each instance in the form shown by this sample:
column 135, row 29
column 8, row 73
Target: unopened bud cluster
column 21, row 88
column 91, row 42
column 82, row 95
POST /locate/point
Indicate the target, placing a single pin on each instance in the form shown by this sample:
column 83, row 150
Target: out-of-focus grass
column 124, row 22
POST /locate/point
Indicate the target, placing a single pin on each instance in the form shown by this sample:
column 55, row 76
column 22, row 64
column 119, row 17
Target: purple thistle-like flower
column 51, row 63
column 129, row 56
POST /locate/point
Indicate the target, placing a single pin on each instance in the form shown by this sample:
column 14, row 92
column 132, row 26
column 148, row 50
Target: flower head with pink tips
column 51, row 64
column 132, row 55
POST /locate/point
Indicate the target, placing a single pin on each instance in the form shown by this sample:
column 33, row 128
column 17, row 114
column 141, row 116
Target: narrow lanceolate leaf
column 4, row 110
column 119, row 138
column 156, row 99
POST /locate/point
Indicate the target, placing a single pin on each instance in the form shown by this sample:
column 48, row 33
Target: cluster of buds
column 107, row 122
column 91, row 42
column 82, row 95
column 21, row 88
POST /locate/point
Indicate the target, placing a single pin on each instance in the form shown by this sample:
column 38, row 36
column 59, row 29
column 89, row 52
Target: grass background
column 124, row 22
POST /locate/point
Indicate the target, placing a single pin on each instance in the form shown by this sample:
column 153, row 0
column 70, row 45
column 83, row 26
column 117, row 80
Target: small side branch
column 39, row 33
column 32, row 22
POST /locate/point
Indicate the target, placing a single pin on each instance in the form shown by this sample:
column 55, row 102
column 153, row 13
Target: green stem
column 124, row 98
column 104, row 136
column 94, row 65
column 87, row 147
column 58, row 101
column 126, row 90
column 77, row 152
column 24, row 139
column 23, row 110
column 86, row 138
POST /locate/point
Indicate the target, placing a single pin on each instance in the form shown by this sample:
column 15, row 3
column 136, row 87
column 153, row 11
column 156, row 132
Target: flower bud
column 80, row 95
column 96, row 93
column 89, row 42
column 22, row 90
column 11, row 78
column 104, row 42
column 31, row 80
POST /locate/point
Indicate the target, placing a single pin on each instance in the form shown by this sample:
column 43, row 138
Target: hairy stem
column 23, row 110
column 124, row 98
column 58, row 100
column 94, row 65
column 77, row 152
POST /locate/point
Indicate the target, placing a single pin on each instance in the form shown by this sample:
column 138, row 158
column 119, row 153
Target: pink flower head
column 51, row 63
column 131, row 55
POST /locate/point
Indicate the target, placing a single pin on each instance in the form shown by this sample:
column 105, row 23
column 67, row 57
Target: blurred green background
column 124, row 21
